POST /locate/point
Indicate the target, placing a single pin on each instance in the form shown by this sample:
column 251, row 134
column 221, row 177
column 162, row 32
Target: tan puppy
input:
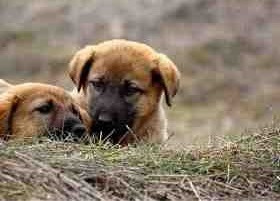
column 33, row 109
column 121, row 85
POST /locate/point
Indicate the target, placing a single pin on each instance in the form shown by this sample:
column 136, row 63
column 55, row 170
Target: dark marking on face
column 73, row 130
column 112, row 107
column 66, row 123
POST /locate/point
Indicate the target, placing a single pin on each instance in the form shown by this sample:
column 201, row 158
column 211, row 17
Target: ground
column 243, row 169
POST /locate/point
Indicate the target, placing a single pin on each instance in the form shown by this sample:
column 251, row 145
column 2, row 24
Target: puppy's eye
column 132, row 90
column 45, row 109
column 98, row 85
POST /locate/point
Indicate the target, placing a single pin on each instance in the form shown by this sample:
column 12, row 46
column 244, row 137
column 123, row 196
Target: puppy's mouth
column 71, row 131
column 114, row 133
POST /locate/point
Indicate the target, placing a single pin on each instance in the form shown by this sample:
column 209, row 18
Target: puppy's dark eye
column 98, row 85
column 132, row 90
column 45, row 109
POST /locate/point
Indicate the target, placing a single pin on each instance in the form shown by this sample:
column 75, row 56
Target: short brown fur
column 118, row 60
column 18, row 120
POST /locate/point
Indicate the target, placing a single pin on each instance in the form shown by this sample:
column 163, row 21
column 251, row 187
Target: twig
column 227, row 186
column 194, row 190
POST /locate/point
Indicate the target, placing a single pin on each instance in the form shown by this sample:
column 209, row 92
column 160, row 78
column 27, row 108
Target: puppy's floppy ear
column 79, row 66
column 8, row 105
column 169, row 76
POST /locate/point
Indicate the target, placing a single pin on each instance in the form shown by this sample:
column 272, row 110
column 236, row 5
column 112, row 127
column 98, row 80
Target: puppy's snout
column 79, row 130
column 75, row 127
column 105, row 117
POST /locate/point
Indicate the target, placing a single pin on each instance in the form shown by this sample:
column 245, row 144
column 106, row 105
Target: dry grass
column 244, row 169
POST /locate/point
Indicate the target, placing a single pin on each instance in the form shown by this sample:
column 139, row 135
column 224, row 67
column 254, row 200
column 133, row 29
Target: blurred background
column 228, row 53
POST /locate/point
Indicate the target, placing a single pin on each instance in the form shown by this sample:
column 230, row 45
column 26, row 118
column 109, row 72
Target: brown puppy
column 121, row 84
column 40, row 109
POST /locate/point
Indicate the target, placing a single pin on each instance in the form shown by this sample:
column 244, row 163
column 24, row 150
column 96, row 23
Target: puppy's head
column 123, row 82
column 38, row 109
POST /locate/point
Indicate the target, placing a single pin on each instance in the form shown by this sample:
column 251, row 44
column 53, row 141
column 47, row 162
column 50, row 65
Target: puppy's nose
column 105, row 118
column 79, row 130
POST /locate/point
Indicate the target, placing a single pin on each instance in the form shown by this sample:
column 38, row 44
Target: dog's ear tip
column 168, row 101
column 79, row 89
column 169, row 76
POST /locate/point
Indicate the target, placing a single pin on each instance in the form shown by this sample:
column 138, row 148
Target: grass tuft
column 244, row 169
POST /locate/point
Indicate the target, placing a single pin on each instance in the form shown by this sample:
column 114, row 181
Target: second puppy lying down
column 33, row 109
